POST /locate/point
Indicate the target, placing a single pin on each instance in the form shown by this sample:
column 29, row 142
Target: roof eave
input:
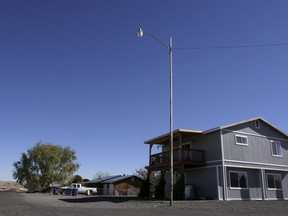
column 158, row 139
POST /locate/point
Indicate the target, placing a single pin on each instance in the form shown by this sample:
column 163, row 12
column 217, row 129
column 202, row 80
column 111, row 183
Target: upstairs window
column 241, row 140
column 274, row 181
column 257, row 124
column 276, row 148
column 238, row 180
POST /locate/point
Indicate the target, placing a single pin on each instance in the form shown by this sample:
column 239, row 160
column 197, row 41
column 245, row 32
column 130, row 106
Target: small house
column 117, row 185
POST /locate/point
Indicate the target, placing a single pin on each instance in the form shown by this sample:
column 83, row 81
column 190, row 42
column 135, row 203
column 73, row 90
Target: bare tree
column 100, row 174
column 143, row 174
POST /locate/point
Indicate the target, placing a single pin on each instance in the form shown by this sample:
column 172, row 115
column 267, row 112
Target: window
column 241, row 140
column 238, row 180
column 274, row 181
column 276, row 148
column 257, row 124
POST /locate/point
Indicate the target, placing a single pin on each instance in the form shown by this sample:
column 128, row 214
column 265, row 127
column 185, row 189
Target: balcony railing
column 183, row 158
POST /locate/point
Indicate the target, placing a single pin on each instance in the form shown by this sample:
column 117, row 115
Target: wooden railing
column 181, row 157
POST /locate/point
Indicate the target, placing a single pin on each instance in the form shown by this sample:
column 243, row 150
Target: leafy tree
column 77, row 179
column 44, row 164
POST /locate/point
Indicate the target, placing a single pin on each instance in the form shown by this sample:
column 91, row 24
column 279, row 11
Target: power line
column 231, row 47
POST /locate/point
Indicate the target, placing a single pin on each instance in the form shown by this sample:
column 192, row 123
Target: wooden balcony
column 183, row 159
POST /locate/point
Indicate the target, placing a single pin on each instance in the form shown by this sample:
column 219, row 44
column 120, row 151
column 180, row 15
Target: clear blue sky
column 74, row 73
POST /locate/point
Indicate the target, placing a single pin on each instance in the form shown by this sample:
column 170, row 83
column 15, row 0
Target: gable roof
column 119, row 178
column 165, row 138
column 243, row 122
column 102, row 179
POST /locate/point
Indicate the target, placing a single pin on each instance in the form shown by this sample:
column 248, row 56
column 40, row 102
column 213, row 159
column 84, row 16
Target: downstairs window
column 274, row 181
column 238, row 180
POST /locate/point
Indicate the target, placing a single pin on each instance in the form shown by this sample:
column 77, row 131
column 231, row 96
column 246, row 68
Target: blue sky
column 74, row 73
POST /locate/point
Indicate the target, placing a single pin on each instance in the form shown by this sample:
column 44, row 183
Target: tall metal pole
column 171, row 126
column 140, row 33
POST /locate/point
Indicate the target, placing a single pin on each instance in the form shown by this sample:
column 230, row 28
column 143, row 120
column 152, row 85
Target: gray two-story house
column 247, row 160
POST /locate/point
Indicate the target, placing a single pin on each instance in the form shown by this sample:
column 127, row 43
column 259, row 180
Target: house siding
column 211, row 144
column 258, row 149
column 223, row 156
column 253, row 191
column 264, row 130
column 201, row 179
column 277, row 194
column 129, row 186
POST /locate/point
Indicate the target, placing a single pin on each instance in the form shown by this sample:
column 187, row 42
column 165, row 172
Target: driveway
column 13, row 203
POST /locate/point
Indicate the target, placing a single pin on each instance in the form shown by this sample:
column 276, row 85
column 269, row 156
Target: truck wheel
column 64, row 192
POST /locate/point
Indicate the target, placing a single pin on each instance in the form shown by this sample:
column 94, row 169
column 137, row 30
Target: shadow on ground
column 100, row 199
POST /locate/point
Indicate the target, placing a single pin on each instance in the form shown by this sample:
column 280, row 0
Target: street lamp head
column 140, row 33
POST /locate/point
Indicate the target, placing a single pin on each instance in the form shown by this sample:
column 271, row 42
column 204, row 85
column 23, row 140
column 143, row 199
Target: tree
column 150, row 183
column 44, row 164
column 143, row 174
column 100, row 174
column 77, row 179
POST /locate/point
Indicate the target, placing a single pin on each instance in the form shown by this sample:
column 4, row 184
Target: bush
column 179, row 189
column 160, row 188
column 145, row 189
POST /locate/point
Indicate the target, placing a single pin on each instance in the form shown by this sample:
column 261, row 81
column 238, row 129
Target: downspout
column 224, row 176
column 262, row 176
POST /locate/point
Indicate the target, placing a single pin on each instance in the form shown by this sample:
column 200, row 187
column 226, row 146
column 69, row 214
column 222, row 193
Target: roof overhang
column 165, row 138
column 243, row 122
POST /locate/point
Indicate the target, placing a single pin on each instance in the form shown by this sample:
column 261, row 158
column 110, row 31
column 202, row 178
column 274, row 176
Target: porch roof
column 165, row 138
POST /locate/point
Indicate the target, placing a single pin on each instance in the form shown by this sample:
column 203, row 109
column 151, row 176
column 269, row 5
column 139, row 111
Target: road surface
column 25, row 204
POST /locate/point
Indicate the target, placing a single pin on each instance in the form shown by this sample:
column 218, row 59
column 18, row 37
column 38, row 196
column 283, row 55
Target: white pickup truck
column 81, row 189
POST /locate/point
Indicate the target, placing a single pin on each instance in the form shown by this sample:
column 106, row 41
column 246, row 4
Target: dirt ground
column 34, row 204
column 10, row 185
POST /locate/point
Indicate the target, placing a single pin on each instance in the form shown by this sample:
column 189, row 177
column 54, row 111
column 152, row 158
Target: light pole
column 140, row 33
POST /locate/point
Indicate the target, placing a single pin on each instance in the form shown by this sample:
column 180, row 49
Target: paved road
column 14, row 204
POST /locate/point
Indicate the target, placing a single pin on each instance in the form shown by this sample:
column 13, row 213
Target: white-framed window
column 274, row 181
column 276, row 148
column 238, row 180
column 257, row 124
column 241, row 140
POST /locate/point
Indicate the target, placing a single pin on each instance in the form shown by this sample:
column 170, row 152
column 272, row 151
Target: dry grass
column 10, row 185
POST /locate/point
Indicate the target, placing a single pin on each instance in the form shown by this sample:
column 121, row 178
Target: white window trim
column 274, row 189
column 238, row 188
column 242, row 136
column 276, row 155
column 257, row 124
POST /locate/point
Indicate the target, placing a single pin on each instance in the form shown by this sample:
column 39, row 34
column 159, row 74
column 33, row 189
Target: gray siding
column 202, row 179
column 277, row 194
column 264, row 130
column 285, row 184
column 258, row 149
column 254, row 185
column 211, row 144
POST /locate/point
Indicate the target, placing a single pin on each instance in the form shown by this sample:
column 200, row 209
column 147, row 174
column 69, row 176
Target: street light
column 140, row 33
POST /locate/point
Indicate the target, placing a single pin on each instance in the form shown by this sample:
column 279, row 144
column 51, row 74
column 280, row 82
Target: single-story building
column 117, row 185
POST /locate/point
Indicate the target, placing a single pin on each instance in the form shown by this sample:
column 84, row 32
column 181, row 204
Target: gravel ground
column 133, row 205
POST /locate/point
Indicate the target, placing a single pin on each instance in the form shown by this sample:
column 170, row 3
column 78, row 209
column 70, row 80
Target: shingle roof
column 119, row 178
column 101, row 179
